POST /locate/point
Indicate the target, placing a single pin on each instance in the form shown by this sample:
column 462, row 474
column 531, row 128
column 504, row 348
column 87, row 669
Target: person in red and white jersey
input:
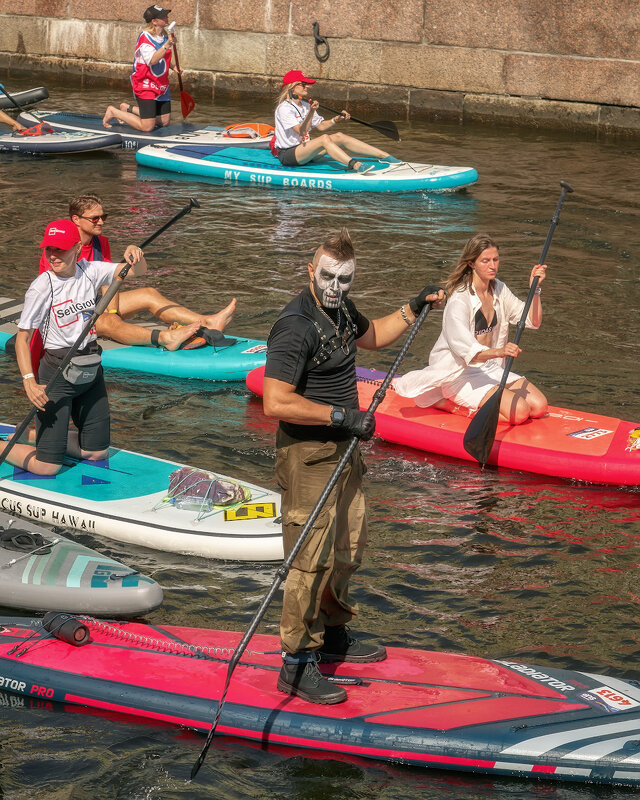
column 58, row 304
column 150, row 77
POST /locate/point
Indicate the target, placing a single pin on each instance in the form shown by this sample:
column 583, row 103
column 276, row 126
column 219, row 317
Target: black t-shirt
column 300, row 335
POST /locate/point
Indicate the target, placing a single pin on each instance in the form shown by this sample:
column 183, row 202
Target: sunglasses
column 102, row 217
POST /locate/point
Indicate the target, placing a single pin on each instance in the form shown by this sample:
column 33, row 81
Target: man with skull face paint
column 310, row 386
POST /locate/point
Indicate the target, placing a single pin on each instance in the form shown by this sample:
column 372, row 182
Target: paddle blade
column 187, row 103
column 387, row 128
column 479, row 436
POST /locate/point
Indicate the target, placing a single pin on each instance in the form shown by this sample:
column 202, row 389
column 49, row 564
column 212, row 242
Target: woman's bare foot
column 220, row 320
column 108, row 114
column 173, row 339
column 453, row 408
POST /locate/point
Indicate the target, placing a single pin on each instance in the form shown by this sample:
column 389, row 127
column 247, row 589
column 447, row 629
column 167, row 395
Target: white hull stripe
column 538, row 745
column 597, row 750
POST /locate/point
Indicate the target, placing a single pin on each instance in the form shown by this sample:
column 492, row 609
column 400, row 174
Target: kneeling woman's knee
column 45, row 468
column 96, row 455
column 538, row 407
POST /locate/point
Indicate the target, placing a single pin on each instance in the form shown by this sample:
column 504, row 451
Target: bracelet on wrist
column 27, row 376
column 405, row 317
column 538, row 291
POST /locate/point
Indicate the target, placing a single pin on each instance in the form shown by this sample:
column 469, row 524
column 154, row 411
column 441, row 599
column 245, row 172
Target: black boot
column 340, row 645
column 306, row 681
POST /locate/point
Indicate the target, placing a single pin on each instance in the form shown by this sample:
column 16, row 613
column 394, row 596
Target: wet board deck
column 132, row 139
column 578, row 445
column 26, row 98
column 69, row 575
column 259, row 167
column 205, row 363
column 57, row 143
column 121, row 497
column 417, row 707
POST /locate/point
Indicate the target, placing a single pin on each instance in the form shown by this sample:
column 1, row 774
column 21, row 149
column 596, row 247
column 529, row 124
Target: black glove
column 358, row 423
column 419, row 302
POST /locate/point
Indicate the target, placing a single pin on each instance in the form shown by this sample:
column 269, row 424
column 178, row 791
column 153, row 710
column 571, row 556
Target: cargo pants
column 316, row 591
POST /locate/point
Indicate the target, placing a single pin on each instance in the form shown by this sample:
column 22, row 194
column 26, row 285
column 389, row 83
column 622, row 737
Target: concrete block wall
column 569, row 63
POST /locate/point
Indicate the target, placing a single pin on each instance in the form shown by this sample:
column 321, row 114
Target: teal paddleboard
column 229, row 363
column 239, row 165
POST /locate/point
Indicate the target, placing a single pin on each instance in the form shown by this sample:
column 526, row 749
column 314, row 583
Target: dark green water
column 498, row 564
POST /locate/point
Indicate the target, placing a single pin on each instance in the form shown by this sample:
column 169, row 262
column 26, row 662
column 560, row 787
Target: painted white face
column 332, row 280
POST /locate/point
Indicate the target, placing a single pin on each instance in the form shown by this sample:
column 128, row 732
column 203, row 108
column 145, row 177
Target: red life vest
column 152, row 81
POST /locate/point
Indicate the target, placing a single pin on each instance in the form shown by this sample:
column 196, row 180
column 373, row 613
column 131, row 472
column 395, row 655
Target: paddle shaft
column 283, row 570
column 390, row 130
column 6, row 93
column 100, row 307
column 534, row 284
column 175, row 53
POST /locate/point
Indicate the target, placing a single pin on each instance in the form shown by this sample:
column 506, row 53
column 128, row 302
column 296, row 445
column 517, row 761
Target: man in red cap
column 58, row 304
column 297, row 116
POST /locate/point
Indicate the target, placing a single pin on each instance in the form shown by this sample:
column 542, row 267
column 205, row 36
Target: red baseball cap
column 61, row 233
column 295, row 76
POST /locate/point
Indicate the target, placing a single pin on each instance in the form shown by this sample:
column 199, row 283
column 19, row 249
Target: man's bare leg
column 112, row 326
column 136, row 301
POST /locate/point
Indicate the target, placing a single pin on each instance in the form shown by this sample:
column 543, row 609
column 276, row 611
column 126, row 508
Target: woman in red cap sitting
column 59, row 303
column 296, row 117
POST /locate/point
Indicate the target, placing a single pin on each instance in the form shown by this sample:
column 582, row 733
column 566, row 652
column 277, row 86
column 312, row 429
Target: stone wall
column 571, row 63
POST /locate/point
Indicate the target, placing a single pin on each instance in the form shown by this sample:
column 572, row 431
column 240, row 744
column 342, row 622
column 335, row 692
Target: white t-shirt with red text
column 60, row 307
column 288, row 115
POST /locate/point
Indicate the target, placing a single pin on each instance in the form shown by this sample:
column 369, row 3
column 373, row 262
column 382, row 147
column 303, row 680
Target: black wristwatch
column 337, row 416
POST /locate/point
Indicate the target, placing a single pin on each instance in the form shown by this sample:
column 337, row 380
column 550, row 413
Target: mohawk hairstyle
column 339, row 245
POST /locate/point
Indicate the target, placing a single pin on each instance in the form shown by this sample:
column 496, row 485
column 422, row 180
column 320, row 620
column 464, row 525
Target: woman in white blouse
column 467, row 362
column 296, row 117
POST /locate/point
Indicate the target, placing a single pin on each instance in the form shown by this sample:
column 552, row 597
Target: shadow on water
column 494, row 563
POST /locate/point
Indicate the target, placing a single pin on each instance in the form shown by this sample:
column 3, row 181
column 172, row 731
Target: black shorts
column 287, row 156
column 150, row 109
column 87, row 405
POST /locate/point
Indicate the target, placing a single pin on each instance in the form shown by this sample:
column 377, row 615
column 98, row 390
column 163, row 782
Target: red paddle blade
column 187, row 104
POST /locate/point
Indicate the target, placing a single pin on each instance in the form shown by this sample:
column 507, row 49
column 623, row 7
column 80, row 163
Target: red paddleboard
column 565, row 443
column 417, row 707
